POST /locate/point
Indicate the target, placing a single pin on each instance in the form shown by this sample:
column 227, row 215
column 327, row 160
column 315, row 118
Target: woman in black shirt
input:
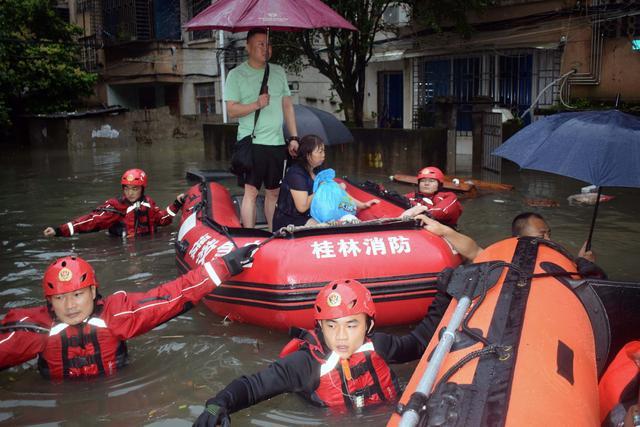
column 296, row 190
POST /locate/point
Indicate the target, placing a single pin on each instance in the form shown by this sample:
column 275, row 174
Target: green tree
column 342, row 55
column 39, row 66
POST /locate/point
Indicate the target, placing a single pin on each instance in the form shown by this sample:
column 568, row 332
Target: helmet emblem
column 65, row 275
column 334, row 299
column 130, row 177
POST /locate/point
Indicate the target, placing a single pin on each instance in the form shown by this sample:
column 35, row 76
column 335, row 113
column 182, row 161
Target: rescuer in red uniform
column 442, row 206
column 341, row 363
column 619, row 388
column 78, row 333
column 132, row 214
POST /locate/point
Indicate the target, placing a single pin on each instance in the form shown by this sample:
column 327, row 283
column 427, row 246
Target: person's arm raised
column 465, row 245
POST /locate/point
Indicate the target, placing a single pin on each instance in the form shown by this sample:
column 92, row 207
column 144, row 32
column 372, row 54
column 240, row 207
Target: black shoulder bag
column 241, row 154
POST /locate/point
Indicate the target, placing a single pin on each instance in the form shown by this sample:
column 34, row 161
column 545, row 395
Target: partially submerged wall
column 133, row 127
column 393, row 150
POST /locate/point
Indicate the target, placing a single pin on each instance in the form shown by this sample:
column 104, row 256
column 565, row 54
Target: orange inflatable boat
column 526, row 349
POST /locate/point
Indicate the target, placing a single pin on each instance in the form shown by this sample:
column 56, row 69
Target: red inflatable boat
column 396, row 259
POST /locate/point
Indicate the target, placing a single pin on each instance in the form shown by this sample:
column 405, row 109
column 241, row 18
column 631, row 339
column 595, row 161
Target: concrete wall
column 134, row 127
column 619, row 72
column 314, row 90
column 389, row 150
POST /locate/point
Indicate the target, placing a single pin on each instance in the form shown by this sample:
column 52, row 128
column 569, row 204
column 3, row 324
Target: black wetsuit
column 300, row 371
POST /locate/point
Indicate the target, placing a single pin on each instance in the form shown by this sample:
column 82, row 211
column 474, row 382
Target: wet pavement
column 176, row 367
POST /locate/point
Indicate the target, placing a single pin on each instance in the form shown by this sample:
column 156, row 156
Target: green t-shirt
column 242, row 85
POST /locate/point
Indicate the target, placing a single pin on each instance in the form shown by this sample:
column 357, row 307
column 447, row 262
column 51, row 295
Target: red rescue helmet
column 68, row 274
column 134, row 177
column 431, row 172
column 342, row 298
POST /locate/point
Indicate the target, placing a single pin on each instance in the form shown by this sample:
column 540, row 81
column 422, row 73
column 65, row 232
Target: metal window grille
column 512, row 78
column 205, row 98
column 88, row 53
column 194, row 7
column 127, row 20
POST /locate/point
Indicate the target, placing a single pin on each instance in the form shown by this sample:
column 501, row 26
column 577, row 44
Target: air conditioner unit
column 396, row 14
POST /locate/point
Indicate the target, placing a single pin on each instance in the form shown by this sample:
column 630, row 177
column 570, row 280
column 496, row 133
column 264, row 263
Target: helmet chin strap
column 370, row 330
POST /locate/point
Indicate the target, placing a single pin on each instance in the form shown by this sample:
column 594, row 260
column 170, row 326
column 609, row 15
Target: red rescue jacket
column 443, row 205
column 365, row 379
column 97, row 346
column 120, row 216
column 619, row 384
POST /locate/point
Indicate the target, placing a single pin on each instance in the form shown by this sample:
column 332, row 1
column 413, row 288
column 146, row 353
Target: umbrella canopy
column 311, row 121
column 278, row 15
column 599, row 147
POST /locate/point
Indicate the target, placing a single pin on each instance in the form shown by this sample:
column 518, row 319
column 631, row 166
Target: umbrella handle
column 593, row 220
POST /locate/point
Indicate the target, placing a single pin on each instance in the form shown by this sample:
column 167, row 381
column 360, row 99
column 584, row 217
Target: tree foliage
column 342, row 55
column 39, row 67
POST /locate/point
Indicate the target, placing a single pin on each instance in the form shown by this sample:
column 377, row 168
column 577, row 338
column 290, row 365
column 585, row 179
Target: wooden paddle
column 463, row 186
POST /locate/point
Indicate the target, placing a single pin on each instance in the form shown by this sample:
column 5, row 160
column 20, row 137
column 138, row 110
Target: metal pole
column 593, row 220
column 222, row 73
column 410, row 418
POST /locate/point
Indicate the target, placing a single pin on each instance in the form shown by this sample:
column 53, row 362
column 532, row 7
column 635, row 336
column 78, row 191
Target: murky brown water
column 176, row 367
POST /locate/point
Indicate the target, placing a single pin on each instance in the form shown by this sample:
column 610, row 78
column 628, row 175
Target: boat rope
column 497, row 350
column 291, row 229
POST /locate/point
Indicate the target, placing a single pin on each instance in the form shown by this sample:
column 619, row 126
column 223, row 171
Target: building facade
column 143, row 57
column 521, row 53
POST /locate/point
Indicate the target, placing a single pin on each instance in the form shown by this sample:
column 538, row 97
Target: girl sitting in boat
column 342, row 363
column 132, row 214
column 297, row 188
column 442, row 206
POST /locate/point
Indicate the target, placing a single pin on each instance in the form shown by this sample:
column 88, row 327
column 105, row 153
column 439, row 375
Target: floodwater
column 173, row 369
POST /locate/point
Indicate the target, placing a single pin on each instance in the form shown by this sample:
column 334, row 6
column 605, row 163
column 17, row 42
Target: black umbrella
column 599, row 147
column 312, row 121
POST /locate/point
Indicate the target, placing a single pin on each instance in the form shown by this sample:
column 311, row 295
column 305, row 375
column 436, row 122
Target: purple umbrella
column 279, row 15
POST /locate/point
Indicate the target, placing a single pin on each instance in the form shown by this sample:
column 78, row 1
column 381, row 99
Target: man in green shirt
column 269, row 149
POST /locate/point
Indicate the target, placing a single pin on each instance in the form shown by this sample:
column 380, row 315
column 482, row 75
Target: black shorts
column 268, row 165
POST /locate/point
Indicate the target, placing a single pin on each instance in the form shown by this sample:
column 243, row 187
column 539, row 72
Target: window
column 194, row 8
column 88, row 53
column 205, row 98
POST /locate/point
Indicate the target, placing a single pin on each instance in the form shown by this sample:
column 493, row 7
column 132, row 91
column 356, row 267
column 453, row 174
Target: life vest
column 365, row 379
column 619, row 385
column 83, row 350
column 135, row 217
column 443, row 205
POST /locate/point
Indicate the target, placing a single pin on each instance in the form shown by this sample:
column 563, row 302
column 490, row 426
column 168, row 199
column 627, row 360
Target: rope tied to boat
column 292, row 229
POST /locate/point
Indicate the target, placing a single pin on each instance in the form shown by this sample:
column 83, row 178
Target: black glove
column 238, row 258
column 589, row 269
column 213, row 415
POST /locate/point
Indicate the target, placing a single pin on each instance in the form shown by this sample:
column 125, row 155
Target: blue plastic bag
column 330, row 201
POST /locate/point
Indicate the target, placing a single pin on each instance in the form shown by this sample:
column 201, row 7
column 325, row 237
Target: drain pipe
column 592, row 77
column 222, row 74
